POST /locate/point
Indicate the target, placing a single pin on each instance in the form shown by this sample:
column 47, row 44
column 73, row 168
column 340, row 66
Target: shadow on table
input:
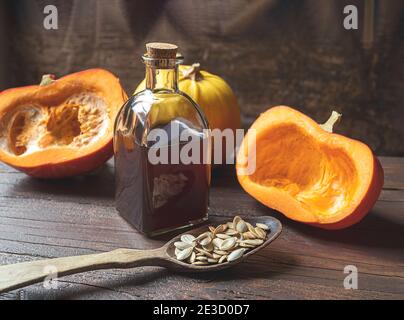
column 119, row 287
column 374, row 231
column 263, row 265
column 140, row 284
column 98, row 184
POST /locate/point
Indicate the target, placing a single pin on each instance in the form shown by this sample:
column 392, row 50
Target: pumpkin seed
column 216, row 256
column 177, row 251
column 228, row 244
column 241, row 226
column 220, row 252
column 211, row 260
column 206, row 253
column 261, row 233
column 183, row 245
column 255, row 242
column 248, row 246
column 262, row 226
column 251, row 228
column 188, row 238
column 235, row 255
column 202, row 258
column 203, row 236
column 220, row 229
column 200, row 263
column 192, row 258
column 235, row 221
column 249, row 235
column 205, row 241
column 212, row 229
column 217, row 242
column 234, row 248
column 223, row 259
column 231, row 232
column 209, row 247
column 185, row 254
column 223, row 236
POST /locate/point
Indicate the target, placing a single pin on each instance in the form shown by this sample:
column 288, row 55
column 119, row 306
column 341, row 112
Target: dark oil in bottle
column 157, row 198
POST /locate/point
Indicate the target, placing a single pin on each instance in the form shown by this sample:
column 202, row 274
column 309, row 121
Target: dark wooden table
column 43, row 219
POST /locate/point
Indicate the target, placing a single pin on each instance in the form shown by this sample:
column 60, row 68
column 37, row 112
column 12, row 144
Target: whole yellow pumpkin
column 211, row 93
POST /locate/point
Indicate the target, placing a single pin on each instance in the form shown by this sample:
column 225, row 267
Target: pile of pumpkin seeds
column 225, row 243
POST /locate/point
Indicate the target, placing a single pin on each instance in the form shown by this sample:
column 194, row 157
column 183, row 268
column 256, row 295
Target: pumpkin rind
column 58, row 160
column 310, row 175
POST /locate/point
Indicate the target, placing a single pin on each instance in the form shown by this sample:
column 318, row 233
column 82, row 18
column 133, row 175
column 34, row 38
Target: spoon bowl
column 275, row 228
column 26, row 273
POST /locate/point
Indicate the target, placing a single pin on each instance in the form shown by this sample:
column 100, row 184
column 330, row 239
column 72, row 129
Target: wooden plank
column 392, row 195
column 273, row 275
column 77, row 216
column 394, row 172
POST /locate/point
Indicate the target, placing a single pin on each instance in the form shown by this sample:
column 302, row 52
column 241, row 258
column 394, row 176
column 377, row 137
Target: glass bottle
column 162, row 149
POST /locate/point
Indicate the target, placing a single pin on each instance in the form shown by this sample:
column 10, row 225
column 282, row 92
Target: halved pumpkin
column 60, row 128
column 307, row 173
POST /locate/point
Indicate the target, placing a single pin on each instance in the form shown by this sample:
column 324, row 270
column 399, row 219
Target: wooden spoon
column 19, row 275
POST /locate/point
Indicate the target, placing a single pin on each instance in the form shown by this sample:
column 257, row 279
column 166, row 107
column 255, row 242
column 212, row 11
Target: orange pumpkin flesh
column 61, row 129
column 308, row 174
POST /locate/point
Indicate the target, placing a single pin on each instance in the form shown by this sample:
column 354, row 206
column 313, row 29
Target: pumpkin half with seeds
column 60, row 128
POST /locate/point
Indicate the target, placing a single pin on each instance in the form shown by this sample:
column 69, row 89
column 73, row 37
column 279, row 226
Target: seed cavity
column 76, row 122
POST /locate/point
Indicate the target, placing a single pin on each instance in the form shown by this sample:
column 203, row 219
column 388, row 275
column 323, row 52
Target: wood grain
column 40, row 219
column 22, row 274
column 19, row 275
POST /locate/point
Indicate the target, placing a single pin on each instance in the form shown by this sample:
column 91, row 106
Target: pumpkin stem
column 193, row 73
column 329, row 125
column 47, row 79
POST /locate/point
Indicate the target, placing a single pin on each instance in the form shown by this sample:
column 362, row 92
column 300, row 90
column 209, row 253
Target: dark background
column 293, row 52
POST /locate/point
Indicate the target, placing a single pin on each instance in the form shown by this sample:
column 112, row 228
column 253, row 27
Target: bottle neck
column 161, row 79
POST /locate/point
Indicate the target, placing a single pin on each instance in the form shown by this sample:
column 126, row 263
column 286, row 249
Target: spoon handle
column 18, row 275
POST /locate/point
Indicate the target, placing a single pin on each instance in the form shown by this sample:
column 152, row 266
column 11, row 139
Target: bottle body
column 162, row 158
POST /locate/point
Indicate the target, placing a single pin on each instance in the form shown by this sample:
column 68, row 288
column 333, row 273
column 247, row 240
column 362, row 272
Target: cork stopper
column 159, row 50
